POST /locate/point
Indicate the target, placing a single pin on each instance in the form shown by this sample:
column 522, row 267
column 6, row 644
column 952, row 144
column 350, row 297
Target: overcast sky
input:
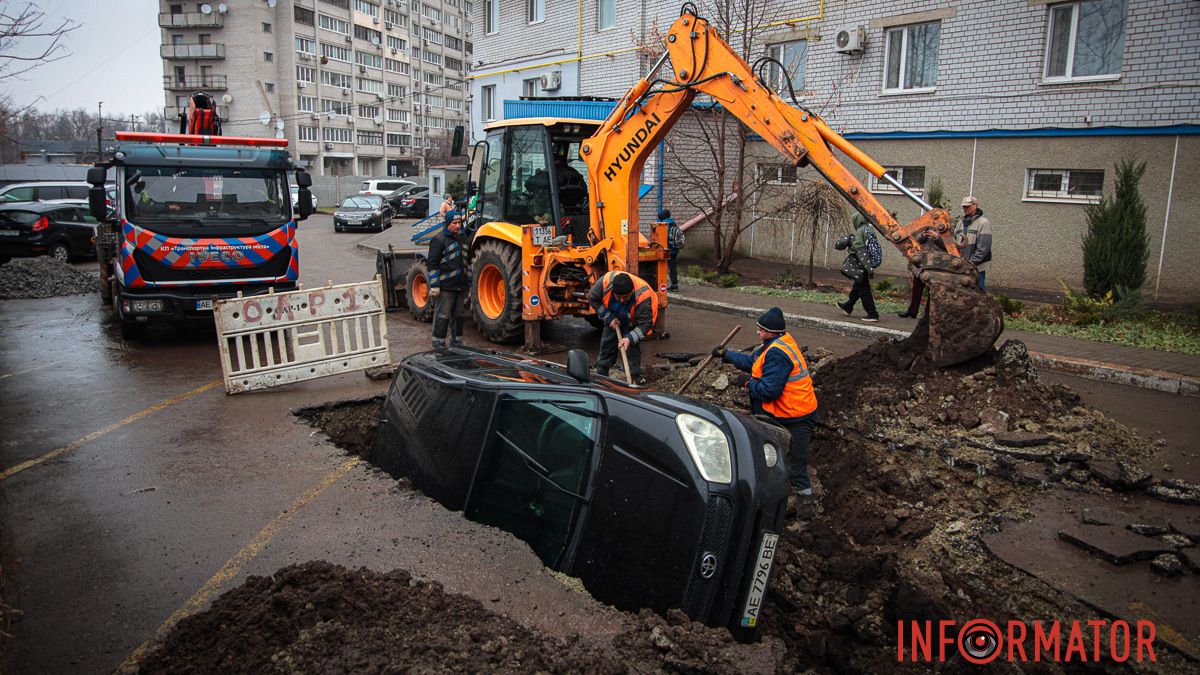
column 112, row 57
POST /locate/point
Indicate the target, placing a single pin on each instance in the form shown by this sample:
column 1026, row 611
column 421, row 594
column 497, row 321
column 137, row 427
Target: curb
column 1145, row 378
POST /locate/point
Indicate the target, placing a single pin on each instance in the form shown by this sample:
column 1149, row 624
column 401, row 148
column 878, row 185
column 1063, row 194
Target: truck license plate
column 542, row 234
column 758, row 584
column 203, row 304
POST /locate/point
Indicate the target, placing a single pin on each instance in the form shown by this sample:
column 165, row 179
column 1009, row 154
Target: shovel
column 624, row 360
column 705, row 362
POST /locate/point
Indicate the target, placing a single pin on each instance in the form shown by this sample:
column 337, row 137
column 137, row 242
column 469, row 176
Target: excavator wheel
column 417, row 292
column 496, row 292
column 961, row 322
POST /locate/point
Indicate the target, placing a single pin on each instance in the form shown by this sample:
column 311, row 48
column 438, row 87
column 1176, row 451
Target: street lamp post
column 99, row 130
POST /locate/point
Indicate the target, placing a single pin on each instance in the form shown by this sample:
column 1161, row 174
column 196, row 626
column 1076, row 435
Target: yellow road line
column 9, row 472
column 232, row 568
column 27, row 370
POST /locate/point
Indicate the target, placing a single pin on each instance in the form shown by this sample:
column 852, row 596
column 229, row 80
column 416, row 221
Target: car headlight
column 708, row 446
column 770, row 454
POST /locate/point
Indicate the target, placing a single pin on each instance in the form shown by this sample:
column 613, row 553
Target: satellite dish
column 222, row 8
column 206, row 8
column 374, row 40
column 264, row 118
column 279, row 134
column 279, row 124
column 331, row 115
column 227, row 99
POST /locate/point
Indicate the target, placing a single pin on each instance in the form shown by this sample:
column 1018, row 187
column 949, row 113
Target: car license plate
column 203, row 304
column 758, row 584
column 542, row 234
column 9, row 233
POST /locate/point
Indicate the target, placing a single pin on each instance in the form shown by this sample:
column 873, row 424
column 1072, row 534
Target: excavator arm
column 962, row 323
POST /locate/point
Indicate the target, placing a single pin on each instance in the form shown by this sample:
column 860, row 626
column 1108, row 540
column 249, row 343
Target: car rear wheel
column 496, row 292
column 417, row 292
column 60, row 252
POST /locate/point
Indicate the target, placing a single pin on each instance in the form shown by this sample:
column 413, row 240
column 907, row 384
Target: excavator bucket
column 960, row 323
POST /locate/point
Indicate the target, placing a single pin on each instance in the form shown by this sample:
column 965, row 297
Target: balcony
column 209, row 51
column 196, row 83
column 191, row 20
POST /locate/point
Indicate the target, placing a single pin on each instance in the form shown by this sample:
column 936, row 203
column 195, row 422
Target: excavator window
column 529, row 180
column 491, row 175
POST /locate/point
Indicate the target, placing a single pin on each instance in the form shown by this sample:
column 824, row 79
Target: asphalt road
column 134, row 490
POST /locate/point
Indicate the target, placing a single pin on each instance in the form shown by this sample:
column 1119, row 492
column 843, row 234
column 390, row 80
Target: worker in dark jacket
column 780, row 386
column 449, row 280
column 626, row 303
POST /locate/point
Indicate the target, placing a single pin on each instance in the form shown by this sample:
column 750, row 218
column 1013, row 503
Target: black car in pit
column 651, row 499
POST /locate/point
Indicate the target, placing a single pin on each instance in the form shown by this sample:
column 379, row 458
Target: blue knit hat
column 772, row 320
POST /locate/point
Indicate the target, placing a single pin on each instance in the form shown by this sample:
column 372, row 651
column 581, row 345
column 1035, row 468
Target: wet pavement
column 134, row 490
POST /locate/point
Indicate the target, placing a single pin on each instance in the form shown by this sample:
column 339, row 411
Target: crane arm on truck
column 963, row 322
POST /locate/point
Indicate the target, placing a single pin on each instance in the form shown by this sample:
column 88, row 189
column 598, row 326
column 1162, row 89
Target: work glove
column 743, row 380
column 718, row 352
column 435, row 292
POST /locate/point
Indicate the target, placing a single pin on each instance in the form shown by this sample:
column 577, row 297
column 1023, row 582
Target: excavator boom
column 962, row 321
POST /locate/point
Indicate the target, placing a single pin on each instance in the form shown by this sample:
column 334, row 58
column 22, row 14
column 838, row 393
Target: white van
column 382, row 186
column 44, row 191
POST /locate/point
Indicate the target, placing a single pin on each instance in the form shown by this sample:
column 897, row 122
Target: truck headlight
column 708, row 446
column 770, row 454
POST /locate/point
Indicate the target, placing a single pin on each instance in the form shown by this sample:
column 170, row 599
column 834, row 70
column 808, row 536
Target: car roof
column 46, row 183
column 47, row 205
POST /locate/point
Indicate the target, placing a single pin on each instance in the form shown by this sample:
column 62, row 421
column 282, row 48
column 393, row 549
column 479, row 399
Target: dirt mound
column 44, row 277
column 320, row 617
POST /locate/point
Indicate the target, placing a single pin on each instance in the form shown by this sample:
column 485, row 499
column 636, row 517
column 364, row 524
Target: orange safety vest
column 798, row 398
column 641, row 293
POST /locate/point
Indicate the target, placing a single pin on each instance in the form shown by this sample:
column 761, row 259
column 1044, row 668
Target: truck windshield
column 208, row 195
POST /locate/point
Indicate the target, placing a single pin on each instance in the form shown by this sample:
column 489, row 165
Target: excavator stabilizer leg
column 961, row 322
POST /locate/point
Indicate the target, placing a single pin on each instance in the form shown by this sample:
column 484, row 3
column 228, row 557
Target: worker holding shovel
column 780, row 386
column 628, row 310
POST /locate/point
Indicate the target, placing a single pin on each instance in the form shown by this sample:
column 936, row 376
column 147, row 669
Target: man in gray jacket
column 976, row 240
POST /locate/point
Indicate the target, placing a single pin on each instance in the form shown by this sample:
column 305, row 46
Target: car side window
column 530, row 480
column 21, row 194
column 50, row 192
column 85, row 216
column 76, row 192
column 64, row 215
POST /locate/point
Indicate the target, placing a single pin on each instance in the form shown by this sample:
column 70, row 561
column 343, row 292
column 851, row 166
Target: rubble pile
column 44, row 277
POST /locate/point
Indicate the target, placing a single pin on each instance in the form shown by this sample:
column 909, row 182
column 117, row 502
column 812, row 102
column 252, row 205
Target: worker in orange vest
column 625, row 302
column 780, row 386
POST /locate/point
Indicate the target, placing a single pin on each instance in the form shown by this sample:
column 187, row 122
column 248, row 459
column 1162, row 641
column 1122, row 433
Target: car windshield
column 361, row 203
column 18, row 217
column 206, row 195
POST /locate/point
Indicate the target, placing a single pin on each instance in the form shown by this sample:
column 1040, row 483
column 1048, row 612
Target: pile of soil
column 44, row 277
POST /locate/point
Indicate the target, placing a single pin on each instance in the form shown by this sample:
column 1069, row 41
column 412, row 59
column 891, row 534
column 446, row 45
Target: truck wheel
column 417, row 291
column 132, row 331
column 497, row 292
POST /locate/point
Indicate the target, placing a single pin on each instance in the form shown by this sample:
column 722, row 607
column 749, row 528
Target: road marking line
column 233, row 567
column 27, row 370
column 9, row 472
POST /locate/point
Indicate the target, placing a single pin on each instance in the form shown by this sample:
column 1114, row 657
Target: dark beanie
column 772, row 320
column 622, row 284
column 663, row 215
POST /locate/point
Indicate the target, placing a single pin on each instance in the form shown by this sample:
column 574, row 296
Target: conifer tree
column 1116, row 245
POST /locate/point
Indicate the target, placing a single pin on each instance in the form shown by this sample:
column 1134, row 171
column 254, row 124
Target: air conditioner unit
column 425, row 43
column 850, row 40
column 301, row 85
column 329, row 146
column 394, row 51
column 349, row 39
column 404, row 125
column 346, row 91
column 305, row 57
column 387, row 25
column 362, row 68
column 551, row 81
column 375, row 20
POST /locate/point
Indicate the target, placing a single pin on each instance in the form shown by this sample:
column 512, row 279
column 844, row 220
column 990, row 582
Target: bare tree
column 28, row 38
column 823, row 208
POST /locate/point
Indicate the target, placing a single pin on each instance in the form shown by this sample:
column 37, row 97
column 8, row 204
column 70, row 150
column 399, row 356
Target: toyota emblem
column 708, row 566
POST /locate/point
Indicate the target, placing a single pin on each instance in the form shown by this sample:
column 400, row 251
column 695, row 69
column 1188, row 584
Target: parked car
column 363, row 212
column 415, row 204
column 651, row 499
column 395, row 197
column 296, row 199
column 44, row 191
column 382, row 186
column 66, row 231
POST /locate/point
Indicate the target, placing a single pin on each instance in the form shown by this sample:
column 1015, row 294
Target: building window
column 397, row 115
column 266, row 27
column 369, row 111
column 368, row 59
column 333, row 25
column 337, row 135
column 793, row 56
column 268, row 57
column 334, row 52
column 491, row 16
column 307, row 134
column 269, row 86
column 397, row 44
column 336, row 107
column 1085, row 40
column 304, row 16
column 911, row 58
column 305, row 74
column 433, row 36
column 1071, row 185
column 368, row 8
column 306, row 104
column 606, row 14
column 911, row 177
column 370, row 86
column 335, row 79
column 432, row 58
column 488, row 102
column 369, row 34
column 776, row 173
column 396, row 91
column 370, row 138
column 529, row 87
column 535, row 11
column 306, row 45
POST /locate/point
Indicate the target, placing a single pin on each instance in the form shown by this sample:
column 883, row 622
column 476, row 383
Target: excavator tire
column 420, row 305
column 496, row 292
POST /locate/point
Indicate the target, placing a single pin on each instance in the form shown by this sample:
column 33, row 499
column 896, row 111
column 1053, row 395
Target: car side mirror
column 456, row 143
column 577, row 365
column 303, row 178
column 304, row 202
column 98, row 200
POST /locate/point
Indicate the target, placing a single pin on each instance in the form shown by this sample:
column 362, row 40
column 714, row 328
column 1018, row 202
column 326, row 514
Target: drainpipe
column 1166, row 220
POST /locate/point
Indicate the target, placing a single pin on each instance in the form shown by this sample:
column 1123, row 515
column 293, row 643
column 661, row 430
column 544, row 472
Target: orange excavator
column 549, row 230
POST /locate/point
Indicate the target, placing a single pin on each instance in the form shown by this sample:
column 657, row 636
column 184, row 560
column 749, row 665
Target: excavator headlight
column 708, row 446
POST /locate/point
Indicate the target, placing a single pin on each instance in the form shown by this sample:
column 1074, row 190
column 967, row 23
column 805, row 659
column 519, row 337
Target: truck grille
column 152, row 270
column 714, row 541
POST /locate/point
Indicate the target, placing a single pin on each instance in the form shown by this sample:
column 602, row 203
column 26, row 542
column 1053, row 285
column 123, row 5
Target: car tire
column 416, row 292
column 496, row 292
column 60, row 252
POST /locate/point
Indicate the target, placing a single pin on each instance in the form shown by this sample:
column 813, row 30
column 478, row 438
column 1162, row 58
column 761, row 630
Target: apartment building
column 1027, row 104
column 358, row 87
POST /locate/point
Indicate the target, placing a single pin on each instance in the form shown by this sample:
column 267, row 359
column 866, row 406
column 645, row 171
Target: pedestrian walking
column 675, row 239
column 860, row 266
column 447, row 207
column 780, row 386
column 449, row 280
column 975, row 241
column 626, row 303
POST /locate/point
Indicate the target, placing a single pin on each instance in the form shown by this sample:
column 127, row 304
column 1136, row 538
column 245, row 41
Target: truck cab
column 652, row 500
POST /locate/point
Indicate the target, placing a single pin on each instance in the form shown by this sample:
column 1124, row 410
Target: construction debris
column 45, row 277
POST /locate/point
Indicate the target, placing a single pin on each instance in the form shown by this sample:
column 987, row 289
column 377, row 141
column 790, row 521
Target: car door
column 82, row 230
column 532, row 475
